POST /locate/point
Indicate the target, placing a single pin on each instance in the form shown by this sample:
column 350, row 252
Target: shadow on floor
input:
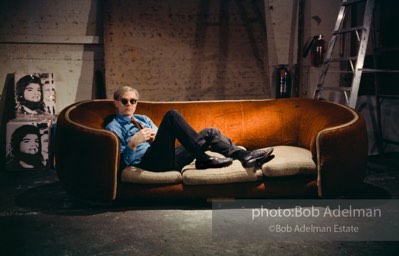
column 52, row 199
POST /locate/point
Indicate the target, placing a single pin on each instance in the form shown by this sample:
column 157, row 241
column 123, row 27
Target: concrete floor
column 38, row 218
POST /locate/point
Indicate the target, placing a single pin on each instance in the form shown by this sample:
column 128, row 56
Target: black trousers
column 162, row 155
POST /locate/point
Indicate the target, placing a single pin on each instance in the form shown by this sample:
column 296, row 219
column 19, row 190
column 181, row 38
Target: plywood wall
column 187, row 50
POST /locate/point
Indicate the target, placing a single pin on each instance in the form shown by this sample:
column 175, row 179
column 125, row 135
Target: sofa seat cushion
column 234, row 173
column 290, row 161
column 133, row 174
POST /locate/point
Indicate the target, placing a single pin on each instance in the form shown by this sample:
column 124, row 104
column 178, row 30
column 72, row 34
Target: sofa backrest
column 259, row 123
column 251, row 123
column 93, row 113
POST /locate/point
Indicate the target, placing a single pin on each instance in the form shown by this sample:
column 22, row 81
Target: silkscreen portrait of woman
column 29, row 95
column 25, row 149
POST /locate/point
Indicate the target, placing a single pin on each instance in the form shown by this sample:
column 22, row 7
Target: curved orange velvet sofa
column 87, row 155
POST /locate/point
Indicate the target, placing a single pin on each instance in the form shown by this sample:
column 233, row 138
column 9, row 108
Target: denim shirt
column 123, row 127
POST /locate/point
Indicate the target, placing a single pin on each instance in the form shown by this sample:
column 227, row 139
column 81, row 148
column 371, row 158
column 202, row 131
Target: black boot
column 213, row 162
column 252, row 158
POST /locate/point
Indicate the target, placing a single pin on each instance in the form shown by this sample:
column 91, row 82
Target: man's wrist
column 132, row 145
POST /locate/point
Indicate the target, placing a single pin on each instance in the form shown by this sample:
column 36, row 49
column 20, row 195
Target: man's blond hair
column 124, row 89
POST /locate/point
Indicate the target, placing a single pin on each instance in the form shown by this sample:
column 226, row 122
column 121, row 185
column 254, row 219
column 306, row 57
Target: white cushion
column 234, row 173
column 290, row 161
column 133, row 174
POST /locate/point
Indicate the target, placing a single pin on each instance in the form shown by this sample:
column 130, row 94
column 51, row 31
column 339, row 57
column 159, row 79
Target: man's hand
column 152, row 136
column 146, row 134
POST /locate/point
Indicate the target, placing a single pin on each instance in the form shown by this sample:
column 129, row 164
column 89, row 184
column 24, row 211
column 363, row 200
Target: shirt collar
column 123, row 118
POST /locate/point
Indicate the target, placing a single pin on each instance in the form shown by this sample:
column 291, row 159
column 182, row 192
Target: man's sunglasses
column 125, row 101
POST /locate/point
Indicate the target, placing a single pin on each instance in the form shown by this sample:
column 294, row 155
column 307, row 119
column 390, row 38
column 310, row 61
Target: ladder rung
column 340, row 71
column 348, row 30
column 373, row 70
column 341, row 59
column 381, row 50
column 350, row 2
column 388, row 96
column 339, row 89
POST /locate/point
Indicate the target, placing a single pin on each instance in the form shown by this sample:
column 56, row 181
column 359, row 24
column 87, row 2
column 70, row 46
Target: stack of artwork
column 28, row 136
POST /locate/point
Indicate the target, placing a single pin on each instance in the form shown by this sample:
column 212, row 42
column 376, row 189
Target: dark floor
column 38, row 218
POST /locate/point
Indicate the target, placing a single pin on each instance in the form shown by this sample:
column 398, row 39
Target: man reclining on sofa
column 148, row 147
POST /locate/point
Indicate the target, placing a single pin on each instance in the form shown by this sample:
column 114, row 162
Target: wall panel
column 187, row 50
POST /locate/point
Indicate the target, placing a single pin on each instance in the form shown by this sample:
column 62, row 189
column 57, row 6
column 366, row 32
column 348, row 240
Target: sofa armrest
column 342, row 158
column 87, row 160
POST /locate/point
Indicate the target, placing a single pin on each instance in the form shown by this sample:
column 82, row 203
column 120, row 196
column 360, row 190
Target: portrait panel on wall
column 34, row 94
column 28, row 145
